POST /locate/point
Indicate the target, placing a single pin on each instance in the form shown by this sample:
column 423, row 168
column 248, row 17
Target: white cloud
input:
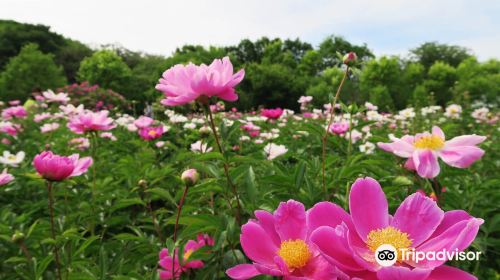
column 161, row 26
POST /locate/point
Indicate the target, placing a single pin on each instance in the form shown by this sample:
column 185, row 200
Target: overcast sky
column 159, row 26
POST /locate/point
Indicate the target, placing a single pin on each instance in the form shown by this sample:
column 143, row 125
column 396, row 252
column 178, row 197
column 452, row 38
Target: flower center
column 188, row 254
column 295, row 253
column 389, row 235
column 12, row 157
column 152, row 133
column 431, row 142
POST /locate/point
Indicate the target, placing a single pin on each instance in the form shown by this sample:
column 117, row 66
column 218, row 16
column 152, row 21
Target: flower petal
column 327, row 214
column 426, row 163
column 461, row 156
column 418, row 216
column 256, row 244
column 290, row 220
column 445, row 272
column 242, row 271
column 400, row 272
column 368, row 206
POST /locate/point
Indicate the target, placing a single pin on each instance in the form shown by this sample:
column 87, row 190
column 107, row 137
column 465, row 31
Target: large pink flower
column 273, row 114
column 14, row 111
column 182, row 84
column 424, row 149
column 143, row 122
column 54, row 167
column 350, row 242
column 279, row 245
column 191, row 246
column 90, row 121
column 151, row 132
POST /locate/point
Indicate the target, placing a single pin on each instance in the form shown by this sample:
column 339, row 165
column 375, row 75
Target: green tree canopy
column 31, row 70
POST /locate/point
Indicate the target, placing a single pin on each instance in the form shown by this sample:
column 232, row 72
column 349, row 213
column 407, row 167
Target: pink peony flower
column 143, row 122
column 5, row 178
column 61, row 97
column 48, row 127
column 191, row 246
column 151, row 133
column 339, row 128
column 81, row 143
column 90, row 121
column 15, row 111
column 182, row 84
column 14, row 102
column 9, row 128
column 54, row 167
column 40, row 117
column 350, row 241
column 279, row 245
column 424, row 149
column 273, row 114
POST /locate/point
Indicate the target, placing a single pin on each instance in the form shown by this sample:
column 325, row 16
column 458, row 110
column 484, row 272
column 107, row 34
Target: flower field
column 195, row 189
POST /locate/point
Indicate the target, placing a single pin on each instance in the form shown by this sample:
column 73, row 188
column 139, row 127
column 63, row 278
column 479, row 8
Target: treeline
column 278, row 72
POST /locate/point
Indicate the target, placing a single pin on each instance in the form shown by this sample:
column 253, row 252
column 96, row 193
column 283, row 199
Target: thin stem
column 325, row 136
column 153, row 217
column 226, row 167
column 53, row 229
column 437, row 189
column 25, row 250
column 179, row 209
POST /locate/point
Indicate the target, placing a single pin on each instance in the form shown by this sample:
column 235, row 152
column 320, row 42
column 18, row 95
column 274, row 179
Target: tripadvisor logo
column 387, row 255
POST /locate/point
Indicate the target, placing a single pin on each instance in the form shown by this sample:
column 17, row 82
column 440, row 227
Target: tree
column 441, row 78
column 388, row 73
column 478, row 80
column 429, row 53
column 31, row 70
column 108, row 70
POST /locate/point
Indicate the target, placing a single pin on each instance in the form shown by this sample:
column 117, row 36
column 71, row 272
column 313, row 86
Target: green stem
column 53, row 229
column 179, row 210
column 325, row 136
column 226, row 166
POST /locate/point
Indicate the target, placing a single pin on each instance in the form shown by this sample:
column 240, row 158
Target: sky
column 388, row 27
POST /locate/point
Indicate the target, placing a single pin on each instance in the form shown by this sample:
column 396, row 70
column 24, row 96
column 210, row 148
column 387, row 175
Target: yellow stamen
column 295, row 253
column 389, row 235
column 188, row 254
column 152, row 133
column 431, row 142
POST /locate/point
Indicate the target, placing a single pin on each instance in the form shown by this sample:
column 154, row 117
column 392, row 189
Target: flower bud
column 143, row 183
column 17, row 236
column 350, row 58
column 190, row 177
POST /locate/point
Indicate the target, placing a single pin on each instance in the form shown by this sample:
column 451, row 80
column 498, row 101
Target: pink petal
column 333, row 245
column 82, row 165
column 457, row 237
column 438, row 132
column 256, row 244
column 465, row 140
column 290, row 220
column 426, row 163
column 450, row 218
column 327, row 214
column 266, row 221
column 242, row 271
column 402, row 273
column 368, row 206
column 418, row 216
column 461, row 156
column 398, row 147
column 445, row 272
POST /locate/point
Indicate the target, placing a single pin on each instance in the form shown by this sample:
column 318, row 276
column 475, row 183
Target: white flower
column 273, row 150
column 258, row 141
column 11, row 159
column 453, row 111
column 61, row 97
column 169, row 113
column 367, row 148
column 370, row 106
column 70, row 109
column 408, row 113
column 305, row 99
column 481, row 114
column 189, row 126
column 178, row 119
column 199, row 147
column 355, row 135
column 228, row 122
column 198, row 120
column 244, row 138
column 160, row 144
column 48, row 127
